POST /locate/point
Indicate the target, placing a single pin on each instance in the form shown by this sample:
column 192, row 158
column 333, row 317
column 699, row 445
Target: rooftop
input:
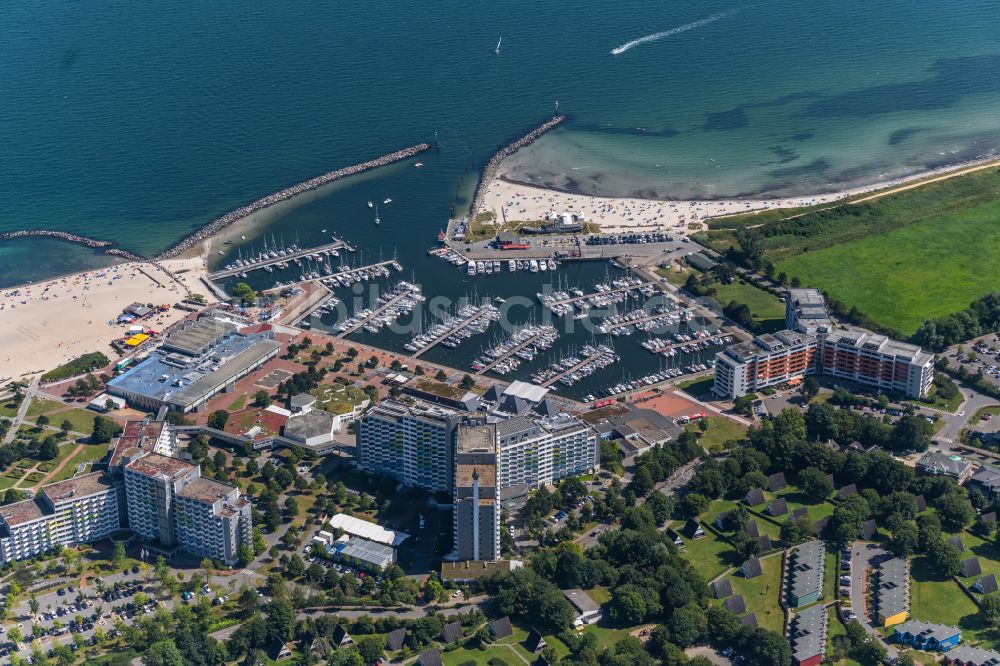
column 367, row 530
column 79, row 486
column 195, row 337
column 205, row 490
column 22, row 512
column 858, row 338
column 155, row 465
column 139, row 434
column 581, row 600
column 367, row 551
column 307, row 425
column 526, row 391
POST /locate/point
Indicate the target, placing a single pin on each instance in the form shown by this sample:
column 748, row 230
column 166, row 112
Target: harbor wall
column 57, row 235
column 493, row 164
column 229, row 218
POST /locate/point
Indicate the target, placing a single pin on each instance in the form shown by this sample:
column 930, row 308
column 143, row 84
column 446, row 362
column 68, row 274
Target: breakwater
column 58, row 235
column 229, row 218
column 490, row 169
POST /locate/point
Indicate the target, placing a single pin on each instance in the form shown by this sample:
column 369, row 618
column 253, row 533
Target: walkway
column 22, row 410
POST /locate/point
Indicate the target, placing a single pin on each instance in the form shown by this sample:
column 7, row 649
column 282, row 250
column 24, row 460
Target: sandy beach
column 47, row 323
column 520, row 202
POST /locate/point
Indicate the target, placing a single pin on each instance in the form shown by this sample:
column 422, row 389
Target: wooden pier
column 480, row 312
column 389, row 304
column 389, row 262
column 586, row 297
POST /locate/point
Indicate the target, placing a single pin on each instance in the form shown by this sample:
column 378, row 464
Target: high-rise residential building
column 476, row 515
column 844, row 352
column 765, row 361
column 171, row 506
column 877, row 361
column 536, row 451
column 410, row 442
column 805, row 311
column 66, row 513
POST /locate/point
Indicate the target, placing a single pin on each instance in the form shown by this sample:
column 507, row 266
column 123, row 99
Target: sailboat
column 498, row 45
column 370, row 204
column 377, row 221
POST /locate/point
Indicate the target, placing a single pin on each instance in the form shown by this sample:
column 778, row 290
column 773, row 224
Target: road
column 29, row 394
column 953, row 423
column 862, row 559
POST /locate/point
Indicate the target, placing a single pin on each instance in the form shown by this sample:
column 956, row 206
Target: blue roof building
column 927, row 636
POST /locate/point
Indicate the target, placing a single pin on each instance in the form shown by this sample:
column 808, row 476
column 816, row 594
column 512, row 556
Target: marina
column 572, row 369
column 661, row 317
column 608, row 293
column 343, row 276
column 685, row 344
column 275, row 256
column 468, row 321
column 523, row 345
column 399, row 301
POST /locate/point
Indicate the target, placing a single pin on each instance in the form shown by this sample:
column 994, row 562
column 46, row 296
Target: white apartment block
column 412, row 443
column 212, row 520
column 65, row 513
column 537, row 452
column 151, row 486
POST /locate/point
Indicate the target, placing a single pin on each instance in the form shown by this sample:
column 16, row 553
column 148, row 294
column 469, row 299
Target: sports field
column 928, row 269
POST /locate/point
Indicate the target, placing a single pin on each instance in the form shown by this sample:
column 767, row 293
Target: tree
column 687, row 625
column 262, row 399
column 761, row 647
column 118, row 554
column 912, row 432
column 371, row 648
column 49, row 449
column 814, row 482
column 810, row 388
column 989, row 609
column 467, row 382
column 33, row 605
column 296, row 567
column 955, row 510
column 244, row 292
column 433, row 590
column 42, row 421
column 943, row 558
column 246, row 554
column 163, row 653
column 441, row 376
column 218, row 419
column 744, row 404
column 693, row 505
column 104, row 430
column 905, row 540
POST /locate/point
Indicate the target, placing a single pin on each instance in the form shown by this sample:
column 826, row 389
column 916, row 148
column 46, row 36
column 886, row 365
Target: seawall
column 57, row 235
column 490, row 169
column 229, row 218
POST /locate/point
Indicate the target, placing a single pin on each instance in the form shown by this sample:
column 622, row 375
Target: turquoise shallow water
column 138, row 122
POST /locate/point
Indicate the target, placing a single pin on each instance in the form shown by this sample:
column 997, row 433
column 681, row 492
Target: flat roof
column 236, row 365
column 314, row 423
column 205, row 490
column 526, row 391
column 80, row 486
column 22, row 512
column 367, row 530
column 365, row 550
column 139, row 434
column 154, row 464
column 581, row 600
column 194, row 337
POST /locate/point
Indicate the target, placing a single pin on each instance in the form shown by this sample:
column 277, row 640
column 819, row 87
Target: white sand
column 519, row 202
column 45, row 324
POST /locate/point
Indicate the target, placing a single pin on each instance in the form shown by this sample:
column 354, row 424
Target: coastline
column 520, row 201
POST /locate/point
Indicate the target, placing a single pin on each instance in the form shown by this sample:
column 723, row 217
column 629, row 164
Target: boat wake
column 668, row 33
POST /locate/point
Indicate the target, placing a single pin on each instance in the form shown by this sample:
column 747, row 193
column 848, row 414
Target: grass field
column 834, row 629
column 697, row 387
column 767, row 309
column 720, row 430
column 763, row 593
column 90, row 453
column 928, row 269
column 80, row 419
column 937, row 599
column 709, row 555
column 41, row 406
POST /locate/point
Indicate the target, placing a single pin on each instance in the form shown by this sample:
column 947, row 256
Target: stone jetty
column 220, row 223
column 490, row 170
column 58, row 235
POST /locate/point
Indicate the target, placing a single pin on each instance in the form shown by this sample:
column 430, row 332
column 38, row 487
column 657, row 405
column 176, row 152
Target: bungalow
column 692, row 529
column 735, row 604
column 395, row 639
column 722, row 588
column 675, row 537
column 868, row 530
column 751, row 568
column 535, row 642
column 748, row 620
column 963, row 655
column 778, row 507
column 938, row 464
column 921, row 503
column 986, row 584
column 588, row 611
column 927, row 636
column 752, row 529
column 501, row 628
column 847, row 491
column 971, row 567
column 754, row 497
column 722, row 520
column 451, row 632
column 431, row 657
column 957, row 543
column 776, row 482
column 801, row 512
column 764, row 543
column 986, row 481
column 341, row 638
column 278, row 651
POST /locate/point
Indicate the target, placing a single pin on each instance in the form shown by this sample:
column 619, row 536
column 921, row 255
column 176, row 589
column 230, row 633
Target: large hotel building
column 819, row 347
column 164, row 500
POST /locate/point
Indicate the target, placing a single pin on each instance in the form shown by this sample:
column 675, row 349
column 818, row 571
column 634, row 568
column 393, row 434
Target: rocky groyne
column 58, row 235
column 490, row 170
column 229, row 218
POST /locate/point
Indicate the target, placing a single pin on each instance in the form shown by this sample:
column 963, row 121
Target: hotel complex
column 817, row 347
column 164, row 500
column 512, row 443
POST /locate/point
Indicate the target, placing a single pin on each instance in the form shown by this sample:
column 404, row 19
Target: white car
column 456, row 594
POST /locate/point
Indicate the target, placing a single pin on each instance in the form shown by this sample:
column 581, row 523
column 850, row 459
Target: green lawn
column 6, row 482
column 767, row 310
column 709, row 555
column 763, row 594
column 90, row 453
column 80, row 420
column 237, row 405
column 937, row 599
column 720, row 430
column 41, row 406
column 698, row 387
column 936, row 402
column 834, row 629
column 931, row 268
